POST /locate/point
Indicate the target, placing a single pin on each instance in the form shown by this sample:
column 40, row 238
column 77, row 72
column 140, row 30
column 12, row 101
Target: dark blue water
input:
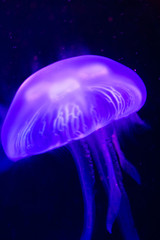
column 40, row 197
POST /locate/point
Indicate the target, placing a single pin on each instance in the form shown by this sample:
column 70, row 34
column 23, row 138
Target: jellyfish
column 79, row 102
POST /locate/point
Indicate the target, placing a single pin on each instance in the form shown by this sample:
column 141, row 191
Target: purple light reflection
column 70, row 100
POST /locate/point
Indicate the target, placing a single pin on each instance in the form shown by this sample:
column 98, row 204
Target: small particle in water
column 110, row 19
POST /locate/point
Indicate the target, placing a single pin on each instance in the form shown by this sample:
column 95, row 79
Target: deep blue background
column 40, row 197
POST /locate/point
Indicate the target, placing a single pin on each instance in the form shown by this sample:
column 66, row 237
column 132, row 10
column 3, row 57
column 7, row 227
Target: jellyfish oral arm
column 105, row 168
column 125, row 219
column 126, row 166
column 107, row 159
column 82, row 157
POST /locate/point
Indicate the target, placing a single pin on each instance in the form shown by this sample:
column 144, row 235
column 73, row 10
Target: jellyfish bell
column 68, row 101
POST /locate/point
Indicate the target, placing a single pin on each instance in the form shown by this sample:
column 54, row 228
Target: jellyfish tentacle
column 84, row 163
column 126, row 166
column 105, row 168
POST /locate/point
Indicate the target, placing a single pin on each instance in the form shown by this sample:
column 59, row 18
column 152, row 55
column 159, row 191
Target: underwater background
column 40, row 196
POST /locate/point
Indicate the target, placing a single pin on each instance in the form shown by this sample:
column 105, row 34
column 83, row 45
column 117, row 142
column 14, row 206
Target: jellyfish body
column 69, row 102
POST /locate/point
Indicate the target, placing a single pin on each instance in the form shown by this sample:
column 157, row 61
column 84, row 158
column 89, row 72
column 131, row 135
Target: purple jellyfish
column 78, row 101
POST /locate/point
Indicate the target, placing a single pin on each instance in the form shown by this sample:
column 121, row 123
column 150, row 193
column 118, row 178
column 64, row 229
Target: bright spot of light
column 63, row 87
column 92, row 70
